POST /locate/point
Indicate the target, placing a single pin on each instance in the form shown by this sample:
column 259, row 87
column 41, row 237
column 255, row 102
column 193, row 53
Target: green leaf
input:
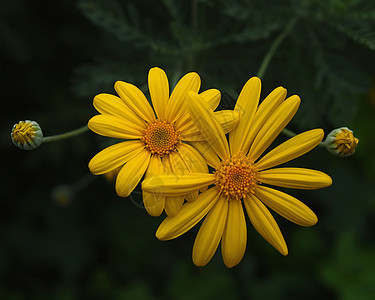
column 111, row 16
column 360, row 31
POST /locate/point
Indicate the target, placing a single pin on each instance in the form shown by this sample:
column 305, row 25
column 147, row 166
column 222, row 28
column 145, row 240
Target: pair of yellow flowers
column 172, row 144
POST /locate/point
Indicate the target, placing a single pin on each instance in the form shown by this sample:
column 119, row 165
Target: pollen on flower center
column 161, row 137
column 236, row 177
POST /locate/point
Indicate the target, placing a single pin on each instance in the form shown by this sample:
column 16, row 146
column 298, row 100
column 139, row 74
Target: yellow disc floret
column 161, row 137
column 236, row 177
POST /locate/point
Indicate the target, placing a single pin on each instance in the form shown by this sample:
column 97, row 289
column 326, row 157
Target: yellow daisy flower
column 241, row 178
column 156, row 137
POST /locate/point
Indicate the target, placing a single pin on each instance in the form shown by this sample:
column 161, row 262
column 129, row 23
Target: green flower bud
column 27, row 135
column 341, row 142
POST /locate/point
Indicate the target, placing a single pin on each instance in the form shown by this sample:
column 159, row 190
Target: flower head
column 157, row 138
column 27, row 135
column 242, row 177
column 341, row 142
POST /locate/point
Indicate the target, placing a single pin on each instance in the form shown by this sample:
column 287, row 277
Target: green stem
column 322, row 144
column 288, row 133
column 267, row 59
column 274, row 46
column 194, row 17
column 191, row 54
column 82, row 183
column 66, row 135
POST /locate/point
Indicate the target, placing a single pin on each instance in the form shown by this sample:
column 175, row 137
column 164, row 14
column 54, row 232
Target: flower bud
column 27, row 135
column 341, row 142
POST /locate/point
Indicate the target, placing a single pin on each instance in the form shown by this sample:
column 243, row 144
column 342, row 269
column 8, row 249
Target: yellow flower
column 341, row 142
column 27, row 135
column 241, row 178
column 156, row 138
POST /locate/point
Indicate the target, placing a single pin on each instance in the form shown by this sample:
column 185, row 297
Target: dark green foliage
column 226, row 41
column 57, row 55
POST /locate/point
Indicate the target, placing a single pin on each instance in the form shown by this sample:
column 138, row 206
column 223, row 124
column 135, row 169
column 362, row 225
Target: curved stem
column 66, row 135
column 288, row 132
column 274, row 46
column 194, row 17
column 323, row 144
column 83, row 182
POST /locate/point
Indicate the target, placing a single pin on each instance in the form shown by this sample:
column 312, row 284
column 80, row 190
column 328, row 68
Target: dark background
column 65, row 234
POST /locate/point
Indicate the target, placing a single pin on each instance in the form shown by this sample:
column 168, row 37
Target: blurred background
column 65, row 234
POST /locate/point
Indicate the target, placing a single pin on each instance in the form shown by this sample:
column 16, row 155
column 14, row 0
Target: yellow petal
column 156, row 166
column 265, row 109
column 110, row 104
column 234, row 240
column 287, row 206
column 291, row 149
column 192, row 158
column 211, row 96
column 136, row 100
column 115, row 127
column 265, row 224
column 177, row 184
column 190, row 214
column 210, row 233
column 205, row 120
column 176, row 103
column 296, row 178
column 173, row 205
column 178, row 166
column 195, row 163
column 246, row 106
column 131, row 173
column 192, row 134
column 159, row 91
column 167, row 165
column 207, row 152
column 154, row 202
column 228, row 119
column 273, row 126
column 114, row 156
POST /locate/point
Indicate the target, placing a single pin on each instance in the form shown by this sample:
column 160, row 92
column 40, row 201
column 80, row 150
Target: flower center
column 236, row 177
column 161, row 137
